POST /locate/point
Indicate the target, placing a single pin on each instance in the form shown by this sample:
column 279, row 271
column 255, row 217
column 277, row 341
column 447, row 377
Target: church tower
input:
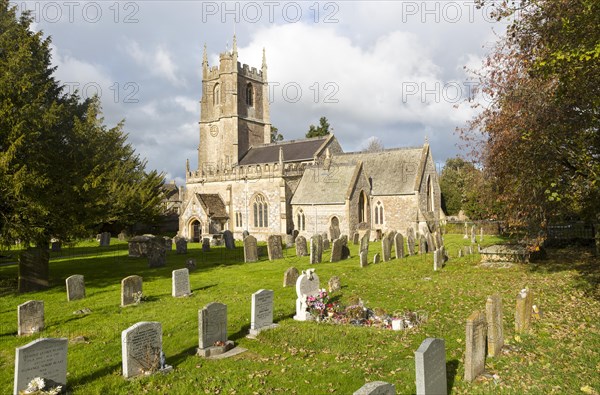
column 234, row 110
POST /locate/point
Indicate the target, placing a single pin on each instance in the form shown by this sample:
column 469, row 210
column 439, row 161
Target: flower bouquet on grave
column 317, row 304
column 40, row 386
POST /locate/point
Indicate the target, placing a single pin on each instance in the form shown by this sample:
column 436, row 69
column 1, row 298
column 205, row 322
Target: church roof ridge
column 284, row 142
column 383, row 150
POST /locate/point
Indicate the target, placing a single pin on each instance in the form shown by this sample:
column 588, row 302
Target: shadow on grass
column 580, row 259
column 244, row 330
column 177, row 359
column 451, row 371
column 105, row 371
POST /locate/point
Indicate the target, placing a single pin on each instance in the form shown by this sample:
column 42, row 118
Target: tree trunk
column 34, row 268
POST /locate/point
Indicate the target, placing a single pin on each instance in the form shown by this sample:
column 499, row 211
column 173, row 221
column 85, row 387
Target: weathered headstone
column 30, row 317
column 122, row 236
column 439, row 241
column 104, row 239
column 250, row 249
column 386, row 246
column 295, row 234
column 138, row 246
column 334, row 232
column 157, row 255
column 34, row 271
column 439, row 257
column 430, row 367
column 190, row 264
column 180, row 245
column 301, row 249
column 355, row 239
column 466, row 236
column 336, row 250
column 168, row 243
column 180, row 283
column 410, row 241
column 245, row 234
column 206, row 244
column 274, row 247
column 334, row 284
column 430, row 241
column 495, row 330
column 475, row 346
column 289, row 241
column 212, row 330
column 399, row 245
column 473, row 241
column 290, row 277
column 480, row 234
column 229, row 241
column 364, row 240
column 326, row 244
column 75, row 287
column 262, row 312
column 131, row 289
column 141, row 349
column 306, row 285
column 316, row 249
column 523, row 310
column 376, row 388
column 345, row 251
column 45, row 358
column 364, row 258
column 376, row 258
column 422, row 245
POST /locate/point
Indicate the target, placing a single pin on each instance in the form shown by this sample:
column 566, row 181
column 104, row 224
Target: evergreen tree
column 321, row 130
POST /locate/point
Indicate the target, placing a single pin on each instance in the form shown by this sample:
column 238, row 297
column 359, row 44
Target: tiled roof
column 321, row 186
column 213, row 205
column 293, row 151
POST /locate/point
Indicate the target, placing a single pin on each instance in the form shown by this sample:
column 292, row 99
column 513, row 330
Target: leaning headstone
column 336, row 250
column 180, row 279
column 290, row 277
column 523, row 310
column 376, row 258
column 30, row 317
column 430, row 367
column 190, row 264
column 475, row 346
column 212, row 330
column 345, row 251
column 131, row 290
column 386, row 247
column 430, row 242
column 229, row 241
column 325, row 244
column 250, row 249
column 473, row 241
column 301, row 249
column 355, row 239
column 410, row 242
column 206, row 244
column 306, row 285
column 495, row 331
column 180, row 245
column 289, row 241
column 157, row 255
column 364, row 240
column 438, row 259
column 376, row 388
column 262, row 312
column 141, row 350
column 45, row 358
column 316, row 249
column 422, row 245
column 75, row 287
column 399, row 245
column 364, row 258
column 104, row 239
column 274, row 247
column 334, row 284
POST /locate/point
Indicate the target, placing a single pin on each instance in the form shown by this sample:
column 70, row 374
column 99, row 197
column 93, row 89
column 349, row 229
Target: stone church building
column 246, row 183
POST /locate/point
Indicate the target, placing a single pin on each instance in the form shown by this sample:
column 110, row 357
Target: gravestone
column 122, row 236
column 289, row 241
column 131, row 289
column 261, row 312
column 290, row 277
column 376, row 258
column 325, row 244
column 206, row 244
column 212, row 330
column 157, row 256
column 495, row 330
column 460, row 252
column 138, row 246
column 466, row 236
column 475, row 346
column 168, row 243
column 410, row 241
column 334, row 232
column 430, row 367
column 295, row 234
column 274, row 247
column 437, row 237
column 364, row 258
column 336, row 250
column 33, row 269
column 229, row 241
column 316, row 249
column 334, row 284
column 422, row 245
column 104, row 239
column 190, row 264
column 45, row 358
column 301, row 249
column 141, row 349
column 364, row 241
column 376, row 388
column 345, row 251
column 386, row 247
column 180, row 245
column 399, row 245
column 523, row 311
column 480, row 234
column 75, row 287
column 306, row 285
column 245, row 234
column 180, row 283
column 473, row 241
column 30, row 317
column 355, row 238
column 250, row 249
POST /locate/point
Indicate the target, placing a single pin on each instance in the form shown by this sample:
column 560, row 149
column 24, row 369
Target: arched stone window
column 261, row 212
column 378, row 213
column 301, row 220
column 217, row 94
column 249, row 95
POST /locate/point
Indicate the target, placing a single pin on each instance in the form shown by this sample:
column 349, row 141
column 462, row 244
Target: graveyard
column 557, row 354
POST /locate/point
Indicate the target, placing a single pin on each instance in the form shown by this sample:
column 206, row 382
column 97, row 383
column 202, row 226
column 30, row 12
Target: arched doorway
column 334, row 228
column 195, row 230
column 363, row 206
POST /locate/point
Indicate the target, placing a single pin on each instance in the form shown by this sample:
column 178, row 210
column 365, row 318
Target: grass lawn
column 561, row 354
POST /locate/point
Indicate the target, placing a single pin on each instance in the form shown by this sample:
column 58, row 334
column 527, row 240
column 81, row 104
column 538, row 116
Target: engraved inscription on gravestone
column 141, row 349
column 30, row 317
column 75, row 287
column 46, row 358
column 262, row 311
column 212, row 330
column 131, row 289
column 181, row 283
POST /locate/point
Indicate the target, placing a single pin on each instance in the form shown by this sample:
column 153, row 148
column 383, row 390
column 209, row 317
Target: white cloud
column 158, row 61
column 188, row 104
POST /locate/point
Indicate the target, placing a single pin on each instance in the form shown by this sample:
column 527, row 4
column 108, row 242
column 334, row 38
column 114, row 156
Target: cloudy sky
column 391, row 70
